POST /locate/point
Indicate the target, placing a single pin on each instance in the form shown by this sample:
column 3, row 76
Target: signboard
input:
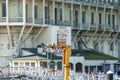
column 62, row 34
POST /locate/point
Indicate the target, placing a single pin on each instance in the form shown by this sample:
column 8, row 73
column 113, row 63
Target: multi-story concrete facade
column 27, row 23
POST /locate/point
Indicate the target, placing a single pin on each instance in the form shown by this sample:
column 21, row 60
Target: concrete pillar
column 96, row 68
column 80, row 17
column 53, row 11
column 118, row 17
column 72, row 14
column 55, row 65
column 33, row 10
column 111, row 25
column 24, row 11
column 74, row 67
column 10, row 65
column 88, row 69
column 63, row 12
column 43, row 11
column 7, row 12
column 96, row 16
column 83, row 67
column 104, row 17
column 89, row 16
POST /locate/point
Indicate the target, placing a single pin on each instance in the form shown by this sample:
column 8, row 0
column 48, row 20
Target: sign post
column 65, row 59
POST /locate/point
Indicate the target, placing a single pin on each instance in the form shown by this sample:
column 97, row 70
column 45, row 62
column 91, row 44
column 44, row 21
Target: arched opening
column 71, row 66
column 78, row 67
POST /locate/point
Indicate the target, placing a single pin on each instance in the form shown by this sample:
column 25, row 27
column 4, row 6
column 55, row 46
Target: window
column 86, row 69
column 15, row 63
column 83, row 17
column 70, row 14
column 27, row 64
column 44, row 64
column 113, row 20
column 100, row 18
column 109, row 1
column 70, row 66
column 56, row 15
column 21, row 63
column 108, row 19
column 92, row 1
column 36, row 11
column 60, row 14
column 26, row 10
column 92, row 17
column 113, row 1
column 76, row 16
column 32, row 64
column 52, row 64
column 59, row 65
column 46, row 12
column 3, row 10
column 100, row 1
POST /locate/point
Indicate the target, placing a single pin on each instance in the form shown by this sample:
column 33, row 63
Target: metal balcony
column 16, row 19
column 49, row 22
column 58, row 22
column 76, row 25
column 93, row 26
column 116, row 28
column 100, row 26
column 84, row 26
column 38, row 21
column 108, row 27
column 100, row 4
column 3, row 19
column 29, row 20
column 67, row 23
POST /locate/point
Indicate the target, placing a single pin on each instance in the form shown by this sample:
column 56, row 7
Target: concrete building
column 82, row 24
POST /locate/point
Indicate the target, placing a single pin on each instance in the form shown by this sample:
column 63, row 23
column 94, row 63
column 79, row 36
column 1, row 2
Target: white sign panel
column 61, row 35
